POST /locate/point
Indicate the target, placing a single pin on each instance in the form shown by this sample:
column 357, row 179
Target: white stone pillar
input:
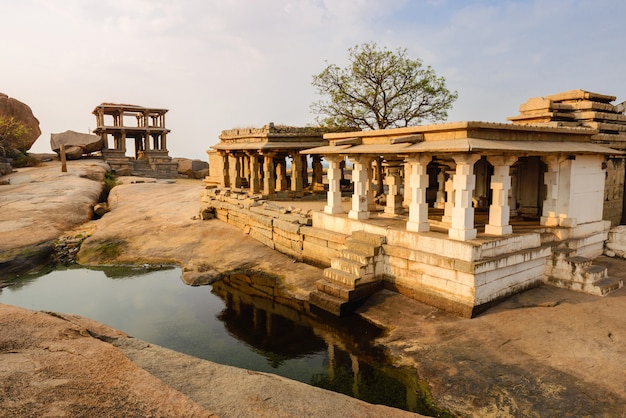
column 499, row 211
column 449, row 203
column 394, row 181
column 418, row 179
column 407, row 186
column 463, row 213
column 440, row 201
column 333, row 197
column 513, row 192
column 360, row 180
column 556, row 207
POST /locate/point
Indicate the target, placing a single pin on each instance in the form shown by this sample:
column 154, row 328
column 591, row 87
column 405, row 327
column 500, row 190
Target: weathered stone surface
column 75, row 143
column 10, row 107
column 194, row 169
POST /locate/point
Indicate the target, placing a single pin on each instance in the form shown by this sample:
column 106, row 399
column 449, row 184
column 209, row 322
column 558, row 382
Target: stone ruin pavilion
column 118, row 123
column 471, row 212
column 257, row 159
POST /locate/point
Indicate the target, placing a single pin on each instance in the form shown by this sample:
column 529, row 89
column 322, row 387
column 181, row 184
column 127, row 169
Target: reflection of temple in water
column 281, row 328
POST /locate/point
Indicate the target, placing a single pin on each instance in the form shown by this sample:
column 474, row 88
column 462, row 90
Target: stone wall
column 287, row 230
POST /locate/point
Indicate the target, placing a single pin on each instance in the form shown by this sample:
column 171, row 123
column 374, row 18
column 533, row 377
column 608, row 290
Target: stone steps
column 351, row 278
column 580, row 274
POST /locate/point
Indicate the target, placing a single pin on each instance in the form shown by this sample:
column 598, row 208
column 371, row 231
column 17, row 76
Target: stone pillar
column 269, row 175
column 418, row 178
column 317, row 170
column 440, row 201
column 296, row 174
column 449, row 204
column 305, row 171
column 333, row 197
column 163, row 144
column 407, row 185
column 499, row 211
column 255, row 184
column 359, row 178
column 463, row 213
column 238, row 177
column 281, row 174
column 513, row 192
column 556, row 207
column 226, row 170
column 379, row 177
column 393, row 181
column 370, row 192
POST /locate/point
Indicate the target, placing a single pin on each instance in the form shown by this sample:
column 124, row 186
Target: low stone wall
column 287, row 230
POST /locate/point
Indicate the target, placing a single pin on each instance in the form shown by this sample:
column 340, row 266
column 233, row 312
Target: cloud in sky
column 222, row 64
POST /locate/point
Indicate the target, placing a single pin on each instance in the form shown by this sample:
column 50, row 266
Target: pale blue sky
column 232, row 63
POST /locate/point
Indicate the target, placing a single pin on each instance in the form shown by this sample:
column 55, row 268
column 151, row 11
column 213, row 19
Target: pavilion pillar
column 371, row 203
column 238, row 177
column 379, row 177
column 418, row 208
column 255, row 184
column 463, row 212
column 556, row 206
column 407, row 185
column 296, row 174
column 281, row 174
column 513, row 192
column 499, row 211
column 225, row 170
column 393, row 181
column 305, row 171
column 269, row 175
column 360, row 179
column 317, row 170
column 449, row 203
column 333, row 197
column 440, row 201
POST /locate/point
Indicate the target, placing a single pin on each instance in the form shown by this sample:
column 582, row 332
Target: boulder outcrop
column 10, row 107
column 193, row 169
column 76, row 143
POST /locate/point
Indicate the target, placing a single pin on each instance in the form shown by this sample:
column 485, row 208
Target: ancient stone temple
column 145, row 127
column 457, row 215
column 268, row 161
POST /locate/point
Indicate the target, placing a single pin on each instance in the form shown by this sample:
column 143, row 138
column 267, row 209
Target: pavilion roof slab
column 260, row 146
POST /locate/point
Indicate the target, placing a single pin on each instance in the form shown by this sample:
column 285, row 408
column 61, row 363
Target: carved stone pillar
column 255, row 183
column 269, row 175
column 499, row 211
column 225, row 170
column 281, row 174
column 556, row 207
column 463, row 213
column 418, row 208
column 317, row 170
column 440, row 201
column 394, row 182
column 333, row 197
column 360, row 179
column 296, row 174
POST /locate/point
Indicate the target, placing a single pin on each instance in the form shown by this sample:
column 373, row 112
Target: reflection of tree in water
column 280, row 328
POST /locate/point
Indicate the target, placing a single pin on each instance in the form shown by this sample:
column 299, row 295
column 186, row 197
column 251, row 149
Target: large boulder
column 76, row 143
column 194, row 169
column 10, row 107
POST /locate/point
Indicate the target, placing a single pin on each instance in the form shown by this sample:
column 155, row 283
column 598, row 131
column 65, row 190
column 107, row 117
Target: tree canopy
column 380, row 89
column 13, row 134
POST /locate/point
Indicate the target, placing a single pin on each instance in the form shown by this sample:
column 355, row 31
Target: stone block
column 323, row 234
column 317, row 253
column 267, row 233
column 292, row 236
column 291, row 227
column 257, row 235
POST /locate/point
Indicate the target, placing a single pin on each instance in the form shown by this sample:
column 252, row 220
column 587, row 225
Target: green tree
column 380, row 89
column 13, row 134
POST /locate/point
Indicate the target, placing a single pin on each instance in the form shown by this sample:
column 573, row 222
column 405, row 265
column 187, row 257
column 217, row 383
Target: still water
column 241, row 321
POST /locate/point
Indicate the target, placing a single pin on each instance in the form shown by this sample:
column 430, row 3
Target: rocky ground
column 545, row 352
